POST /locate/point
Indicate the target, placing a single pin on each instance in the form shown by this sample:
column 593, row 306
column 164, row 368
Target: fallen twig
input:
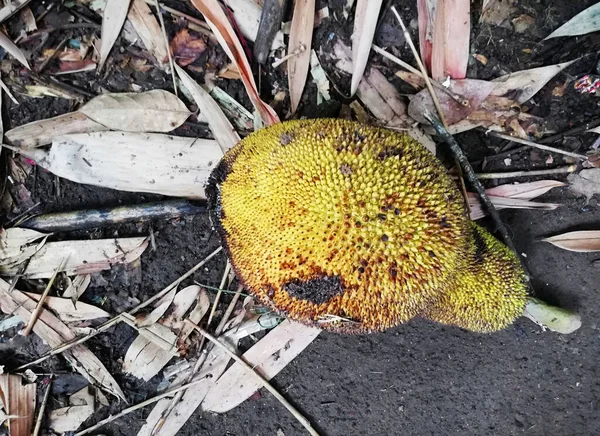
column 136, row 407
column 574, row 131
column 301, row 419
column 40, row 417
column 536, row 145
column 559, row 170
column 93, row 218
column 113, row 321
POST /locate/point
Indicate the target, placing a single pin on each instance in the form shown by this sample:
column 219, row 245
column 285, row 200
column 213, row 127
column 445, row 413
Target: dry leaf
column 478, row 211
column 11, row 7
column 470, row 91
column 113, row 18
column 82, row 257
column 19, row 403
column 16, row 245
column 221, row 27
column 481, row 58
column 523, row 23
column 68, row 419
column 67, row 311
column 522, row 85
column 268, row 357
column 554, row 318
column 133, row 162
column 365, row 23
column 219, row 125
column 586, row 182
column 444, row 32
column 582, row 242
column 55, row 333
column 300, row 42
column 319, row 78
column 77, row 287
column 72, row 67
column 147, row 27
column 525, row 191
column 587, row 21
column 38, row 133
column 12, row 49
column 247, row 16
column 186, row 48
column 152, row 111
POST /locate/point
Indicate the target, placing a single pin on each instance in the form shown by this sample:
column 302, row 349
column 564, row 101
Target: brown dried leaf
column 186, row 48
column 300, row 40
column 113, row 18
column 365, row 23
column 19, row 404
column 583, row 241
column 221, row 27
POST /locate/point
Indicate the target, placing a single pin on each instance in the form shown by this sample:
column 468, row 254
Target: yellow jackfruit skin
column 346, row 226
column 489, row 293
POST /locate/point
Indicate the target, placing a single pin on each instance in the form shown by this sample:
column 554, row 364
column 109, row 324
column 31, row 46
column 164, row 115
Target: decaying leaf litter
column 137, row 116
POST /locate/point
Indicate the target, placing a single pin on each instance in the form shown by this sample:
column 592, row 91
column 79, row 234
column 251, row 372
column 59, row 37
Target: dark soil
column 417, row 379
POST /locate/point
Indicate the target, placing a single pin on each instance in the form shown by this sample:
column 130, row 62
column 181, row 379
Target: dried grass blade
column 300, row 41
column 365, row 23
column 221, row 27
column 113, row 18
column 583, row 241
column 13, row 50
column 219, row 125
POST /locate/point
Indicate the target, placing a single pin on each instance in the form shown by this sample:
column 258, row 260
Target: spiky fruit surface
column 332, row 222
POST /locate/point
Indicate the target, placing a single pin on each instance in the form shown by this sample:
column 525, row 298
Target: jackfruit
column 357, row 229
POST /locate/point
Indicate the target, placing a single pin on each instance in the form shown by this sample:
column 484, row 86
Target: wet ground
column 417, row 379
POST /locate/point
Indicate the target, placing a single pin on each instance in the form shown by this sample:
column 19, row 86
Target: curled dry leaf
column 219, row 125
column 152, row 111
column 587, row 21
column 301, row 43
column 55, row 333
column 268, row 357
column 77, row 287
column 19, row 404
column 113, row 18
column 365, row 23
column 583, row 241
column 221, row 27
column 132, row 162
column 186, row 48
column 68, row 419
column 148, row 29
column 12, row 49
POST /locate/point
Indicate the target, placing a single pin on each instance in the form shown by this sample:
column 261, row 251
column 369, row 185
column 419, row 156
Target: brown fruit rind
column 349, row 227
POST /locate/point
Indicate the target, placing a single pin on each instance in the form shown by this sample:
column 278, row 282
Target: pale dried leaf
column 19, row 404
column 268, row 357
column 586, row 182
column 81, row 257
column 471, row 91
column 522, row 85
column 55, row 333
column 38, row 133
column 554, row 318
column 247, row 16
column 219, row 125
column 113, row 18
column 77, row 287
column 525, row 191
column 221, row 27
column 15, row 245
column 67, row 419
column 157, row 313
column 148, row 29
column 12, row 49
column 587, row 21
column 152, row 111
column 300, row 40
column 11, row 7
column 584, row 241
column 133, row 162
column 67, row 311
column 478, row 211
column 365, row 23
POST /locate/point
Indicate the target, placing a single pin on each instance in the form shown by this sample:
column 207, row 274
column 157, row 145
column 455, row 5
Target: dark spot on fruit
column 345, row 169
column 358, row 224
column 361, row 270
column 382, row 216
column 397, row 211
column 361, row 204
column 285, row 138
column 317, row 290
column 384, row 238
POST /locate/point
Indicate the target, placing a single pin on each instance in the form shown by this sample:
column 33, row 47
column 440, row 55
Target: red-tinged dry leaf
column 19, row 402
column 12, row 49
column 365, row 23
column 300, row 41
column 525, row 191
column 148, row 29
column 444, row 32
column 186, row 48
column 219, row 125
column 470, row 91
column 221, row 27
column 522, row 85
column 113, row 18
column 582, row 242
column 76, row 66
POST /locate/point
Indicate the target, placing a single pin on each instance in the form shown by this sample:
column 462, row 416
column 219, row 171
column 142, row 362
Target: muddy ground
column 417, row 379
